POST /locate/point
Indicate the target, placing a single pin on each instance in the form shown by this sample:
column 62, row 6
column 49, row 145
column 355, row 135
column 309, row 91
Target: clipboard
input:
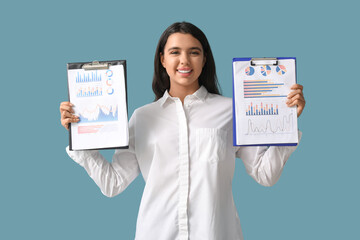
column 260, row 114
column 98, row 91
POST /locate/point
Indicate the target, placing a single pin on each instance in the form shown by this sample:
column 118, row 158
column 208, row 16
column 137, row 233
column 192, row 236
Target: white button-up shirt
column 186, row 156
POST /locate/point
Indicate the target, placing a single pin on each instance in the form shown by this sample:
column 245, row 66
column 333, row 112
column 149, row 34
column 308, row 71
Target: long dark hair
column 207, row 78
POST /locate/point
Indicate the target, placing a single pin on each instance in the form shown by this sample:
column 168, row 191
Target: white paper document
column 261, row 116
column 99, row 98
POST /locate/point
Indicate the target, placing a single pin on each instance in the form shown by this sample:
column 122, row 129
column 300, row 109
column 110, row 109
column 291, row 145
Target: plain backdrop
column 45, row 195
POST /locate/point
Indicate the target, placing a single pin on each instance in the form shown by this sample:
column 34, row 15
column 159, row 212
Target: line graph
column 273, row 126
column 100, row 113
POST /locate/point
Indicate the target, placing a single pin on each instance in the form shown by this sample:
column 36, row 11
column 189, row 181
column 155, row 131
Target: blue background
column 45, row 195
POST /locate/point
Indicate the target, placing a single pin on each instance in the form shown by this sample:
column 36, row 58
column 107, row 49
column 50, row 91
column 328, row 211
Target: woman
column 182, row 146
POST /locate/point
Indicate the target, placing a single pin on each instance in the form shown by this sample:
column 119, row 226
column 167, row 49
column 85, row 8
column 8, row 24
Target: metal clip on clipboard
column 95, row 65
column 264, row 61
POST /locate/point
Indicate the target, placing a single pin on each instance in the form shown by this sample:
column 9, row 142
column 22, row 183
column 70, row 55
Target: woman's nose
column 184, row 59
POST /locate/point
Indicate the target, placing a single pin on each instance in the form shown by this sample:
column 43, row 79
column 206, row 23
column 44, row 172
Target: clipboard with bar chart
column 260, row 113
column 98, row 92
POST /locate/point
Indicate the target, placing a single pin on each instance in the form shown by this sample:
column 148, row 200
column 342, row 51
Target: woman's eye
column 174, row 52
column 195, row 53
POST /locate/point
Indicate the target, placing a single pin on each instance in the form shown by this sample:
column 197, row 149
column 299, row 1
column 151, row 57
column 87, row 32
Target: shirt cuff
column 299, row 135
column 80, row 156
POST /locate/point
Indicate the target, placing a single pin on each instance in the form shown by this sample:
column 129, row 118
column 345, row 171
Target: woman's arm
column 112, row 178
column 265, row 164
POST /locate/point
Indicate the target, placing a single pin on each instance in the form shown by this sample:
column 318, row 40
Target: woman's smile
column 185, row 71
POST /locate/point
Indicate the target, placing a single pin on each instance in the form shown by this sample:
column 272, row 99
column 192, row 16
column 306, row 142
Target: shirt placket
column 183, row 172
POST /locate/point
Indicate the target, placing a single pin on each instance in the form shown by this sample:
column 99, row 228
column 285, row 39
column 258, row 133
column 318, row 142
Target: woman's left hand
column 296, row 97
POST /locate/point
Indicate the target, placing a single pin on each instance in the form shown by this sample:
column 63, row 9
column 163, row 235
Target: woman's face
column 183, row 59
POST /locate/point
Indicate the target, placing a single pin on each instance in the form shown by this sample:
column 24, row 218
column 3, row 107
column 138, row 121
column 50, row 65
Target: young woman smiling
column 183, row 58
column 182, row 146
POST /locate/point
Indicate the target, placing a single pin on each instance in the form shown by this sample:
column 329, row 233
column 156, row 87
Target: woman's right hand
column 67, row 115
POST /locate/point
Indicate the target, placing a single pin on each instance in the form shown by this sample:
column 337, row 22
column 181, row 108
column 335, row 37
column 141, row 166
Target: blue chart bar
column 88, row 77
column 87, row 92
column 262, row 110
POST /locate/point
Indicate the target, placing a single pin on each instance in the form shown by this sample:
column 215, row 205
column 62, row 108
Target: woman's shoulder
column 225, row 101
column 151, row 108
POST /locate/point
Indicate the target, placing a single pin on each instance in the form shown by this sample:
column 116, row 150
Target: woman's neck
column 182, row 91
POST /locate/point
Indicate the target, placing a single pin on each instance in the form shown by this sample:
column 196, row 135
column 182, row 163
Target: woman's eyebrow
column 196, row 48
column 192, row 48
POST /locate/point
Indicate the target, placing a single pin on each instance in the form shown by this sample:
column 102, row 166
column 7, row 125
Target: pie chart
column 249, row 71
column 281, row 69
column 265, row 70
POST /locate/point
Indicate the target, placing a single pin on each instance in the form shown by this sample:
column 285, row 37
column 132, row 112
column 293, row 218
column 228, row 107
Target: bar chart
column 262, row 109
column 88, row 77
column 89, row 92
column 261, row 89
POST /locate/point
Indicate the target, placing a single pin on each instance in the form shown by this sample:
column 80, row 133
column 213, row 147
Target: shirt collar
column 199, row 94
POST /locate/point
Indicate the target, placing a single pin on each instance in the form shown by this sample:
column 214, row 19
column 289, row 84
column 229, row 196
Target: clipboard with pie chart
column 260, row 114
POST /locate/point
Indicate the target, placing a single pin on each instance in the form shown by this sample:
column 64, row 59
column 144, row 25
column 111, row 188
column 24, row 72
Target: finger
column 295, row 92
column 65, row 122
column 66, row 106
column 295, row 97
column 66, row 114
column 297, row 102
column 297, row 86
column 300, row 106
column 63, row 104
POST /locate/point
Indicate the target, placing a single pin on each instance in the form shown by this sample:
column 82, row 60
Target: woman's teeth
column 184, row 71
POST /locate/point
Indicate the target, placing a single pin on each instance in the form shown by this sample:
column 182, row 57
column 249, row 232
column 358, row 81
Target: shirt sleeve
column 112, row 178
column 265, row 164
